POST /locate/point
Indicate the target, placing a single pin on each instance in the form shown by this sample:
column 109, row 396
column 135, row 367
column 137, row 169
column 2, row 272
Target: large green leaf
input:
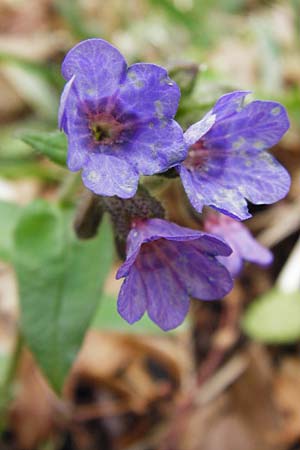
column 60, row 281
column 52, row 144
column 9, row 213
column 274, row 318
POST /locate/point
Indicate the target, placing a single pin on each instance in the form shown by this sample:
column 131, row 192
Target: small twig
column 222, row 379
column 285, row 220
column 197, row 395
column 289, row 277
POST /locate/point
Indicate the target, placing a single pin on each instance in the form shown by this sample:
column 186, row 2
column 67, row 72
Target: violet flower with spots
column 244, row 246
column 167, row 264
column 118, row 119
column 227, row 161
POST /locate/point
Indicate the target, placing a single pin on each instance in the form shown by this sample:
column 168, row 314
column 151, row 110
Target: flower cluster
column 120, row 125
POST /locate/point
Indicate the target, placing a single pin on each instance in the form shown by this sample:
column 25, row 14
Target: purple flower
column 119, row 120
column 166, row 265
column 243, row 244
column 227, row 163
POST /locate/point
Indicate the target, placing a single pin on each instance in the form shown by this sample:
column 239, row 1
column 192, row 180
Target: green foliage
column 70, row 11
column 10, row 213
column 185, row 75
column 291, row 100
column 4, row 364
column 49, row 72
column 201, row 20
column 274, row 318
column 51, row 144
column 20, row 168
column 34, row 85
column 60, row 281
column 18, row 159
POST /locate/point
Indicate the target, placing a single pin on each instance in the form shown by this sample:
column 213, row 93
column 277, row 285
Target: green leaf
column 274, row 318
column 22, row 168
column 50, row 71
column 71, row 11
column 9, row 212
column 52, row 144
column 60, row 281
column 34, row 89
column 185, row 75
column 4, row 364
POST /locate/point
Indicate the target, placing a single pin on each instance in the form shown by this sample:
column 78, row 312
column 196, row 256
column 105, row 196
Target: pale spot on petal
column 159, row 109
column 275, row 111
column 239, row 143
column 259, row 145
column 93, row 176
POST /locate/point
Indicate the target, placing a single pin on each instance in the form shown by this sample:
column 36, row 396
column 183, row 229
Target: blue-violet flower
column 227, row 162
column 167, row 264
column 119, row 120
column 244, row 246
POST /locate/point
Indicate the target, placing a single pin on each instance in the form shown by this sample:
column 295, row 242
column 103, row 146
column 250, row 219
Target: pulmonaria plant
column 244, row 246
column 118, row 119
column 120, row 125
column 227, row 162
column 166, row 265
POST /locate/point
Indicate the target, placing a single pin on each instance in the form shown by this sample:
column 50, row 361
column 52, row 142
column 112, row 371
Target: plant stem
column 68, row 188
column 6, row 387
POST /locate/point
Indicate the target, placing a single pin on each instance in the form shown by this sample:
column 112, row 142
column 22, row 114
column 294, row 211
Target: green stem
column 68, row 188
column 6, row 387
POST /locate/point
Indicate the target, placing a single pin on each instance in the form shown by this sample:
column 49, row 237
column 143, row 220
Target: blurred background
column 229, row 378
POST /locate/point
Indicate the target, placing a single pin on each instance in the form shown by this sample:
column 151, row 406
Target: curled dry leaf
column 119, row 388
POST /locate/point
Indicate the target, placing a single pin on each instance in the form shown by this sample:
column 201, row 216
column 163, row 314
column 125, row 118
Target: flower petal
column 167, row 299
column 244, row 245
column 152, row 230
column 77, row 151
column 62, row 119
column 229, row 104
column 212, row 245
column 234, row 164
column 247, row 246
column 226, row 107
column 263, row 180
column 259, row 125
column 132, row 297
column 203, row 275
column 204, row 190
column 173, row 263
column 80, row 142
column 108, row 175
column 234, row 263
column 99, row 67
column 149, row 92
column 198, row 129
column 156, row 147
